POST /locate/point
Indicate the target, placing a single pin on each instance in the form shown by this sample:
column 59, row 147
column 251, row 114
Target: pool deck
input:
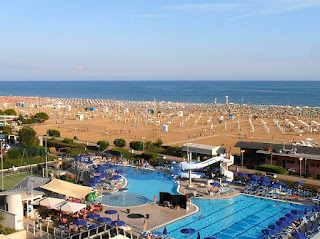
column 158, row 216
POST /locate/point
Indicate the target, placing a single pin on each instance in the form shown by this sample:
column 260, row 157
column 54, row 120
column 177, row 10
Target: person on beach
column 145, row 225
column 155, row 199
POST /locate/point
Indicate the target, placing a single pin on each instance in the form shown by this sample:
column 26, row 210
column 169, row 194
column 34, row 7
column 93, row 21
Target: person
column 155, row 199
column 201, row 216
column 277, row 204
column 145, row 225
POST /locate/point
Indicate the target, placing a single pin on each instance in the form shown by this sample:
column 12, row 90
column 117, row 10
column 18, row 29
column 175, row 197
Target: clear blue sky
column 160, row 40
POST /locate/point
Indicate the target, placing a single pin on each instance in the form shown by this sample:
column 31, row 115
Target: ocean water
column 306, row 93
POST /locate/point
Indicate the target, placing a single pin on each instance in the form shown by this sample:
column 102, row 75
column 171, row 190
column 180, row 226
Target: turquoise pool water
column 142, row 182
column 239, row 217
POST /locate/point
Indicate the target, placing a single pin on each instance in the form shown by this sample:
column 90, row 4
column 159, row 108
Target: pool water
column 239, row 217
column 144, row 183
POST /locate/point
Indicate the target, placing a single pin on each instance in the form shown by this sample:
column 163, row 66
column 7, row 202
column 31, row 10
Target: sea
column 295, row 93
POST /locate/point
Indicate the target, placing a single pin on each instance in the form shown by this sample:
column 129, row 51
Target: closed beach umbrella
column 165, row 231
column 118, row 222
column 243, row 174
column 94, row 216
column 188, row 231
column 255, row 177
column 198, row 235
column 298, row 235
column 80, row 222
column 282, row 224
column 104, row 220
column 215, row 184
column 111, row 212
column 269, row 232
column 93, row 226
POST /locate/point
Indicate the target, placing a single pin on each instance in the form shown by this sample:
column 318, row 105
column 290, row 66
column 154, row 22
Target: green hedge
column 136, row 145
column 272, row 168
column 54, row 132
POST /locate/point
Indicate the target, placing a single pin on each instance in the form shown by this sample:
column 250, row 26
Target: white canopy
column 47, row 202
column 59, row 204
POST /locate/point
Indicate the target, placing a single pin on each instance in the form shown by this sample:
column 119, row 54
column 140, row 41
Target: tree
column 27, row 137
column 158, row 143
column 136, row 145
column 41, row 115
column 14, row 153
column 10, row 112
column 103, row 145
column 119, row 142
column 54, row 132
column 1, row 112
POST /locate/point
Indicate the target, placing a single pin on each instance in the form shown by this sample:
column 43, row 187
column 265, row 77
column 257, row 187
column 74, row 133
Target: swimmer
column 201, row 216
column 278, row 204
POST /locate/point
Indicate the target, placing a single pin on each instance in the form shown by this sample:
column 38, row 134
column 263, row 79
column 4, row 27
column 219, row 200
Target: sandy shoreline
column 187, row 122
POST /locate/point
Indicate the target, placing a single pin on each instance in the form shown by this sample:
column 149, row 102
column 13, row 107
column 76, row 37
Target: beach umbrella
column 282, row 183
column 215, row 184
column 165, row 231
column 118, row 222
column 80, row 222
column 198, row 235
column 298, row 235
column 265, row 178
column 297, row 212
column 314, row 209
column 235, row 173
column 171, row 161
column 77, row 158
column 269, row 232
column 104, row 220
column 283, row 224
column 94, row 216
column 115, row 177
column 92, row 185
column 314, row 225
column 103, row 175
column 316, row 205
column 216, row 169
column 93, row 226
column 210, row 238
column 188, row 231
column 251, row 182
column 275, row 227
column 226, row 182
column 100, row 170
column 108, row 154
column 298, row 183
column 264, row 184
column 305, row 211
column 275, row 185
column 282, row 219
column 90, row 154
column 243, row 174
column 99, row 154
column 119, row 171
column 255, row 177
column 111, row 212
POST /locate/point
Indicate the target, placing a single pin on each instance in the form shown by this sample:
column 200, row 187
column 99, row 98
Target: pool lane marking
column 240, row 220
column 205, row 216
column 224, row 217
column 260, row 222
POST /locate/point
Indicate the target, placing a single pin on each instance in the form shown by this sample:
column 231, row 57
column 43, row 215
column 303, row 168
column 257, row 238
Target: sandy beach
column 219, row 124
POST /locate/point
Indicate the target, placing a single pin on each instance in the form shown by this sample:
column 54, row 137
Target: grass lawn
column 11, row 180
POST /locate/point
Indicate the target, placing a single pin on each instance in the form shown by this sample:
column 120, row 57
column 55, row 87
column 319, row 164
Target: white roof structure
column 203, row 149
column 59, row 204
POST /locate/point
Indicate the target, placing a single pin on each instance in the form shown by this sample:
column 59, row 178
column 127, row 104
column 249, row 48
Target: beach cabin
column 165, row 128
column 79, row 116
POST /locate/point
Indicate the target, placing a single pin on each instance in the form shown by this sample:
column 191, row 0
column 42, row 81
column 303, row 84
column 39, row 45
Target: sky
column 160, row 40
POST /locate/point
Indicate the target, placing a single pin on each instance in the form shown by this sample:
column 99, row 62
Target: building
column 203, row 149
column 291, row 156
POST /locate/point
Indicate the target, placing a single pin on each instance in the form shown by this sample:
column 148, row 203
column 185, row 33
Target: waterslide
column 182, row 169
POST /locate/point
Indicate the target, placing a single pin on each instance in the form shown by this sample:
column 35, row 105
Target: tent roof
column 67, row 189
column 59, row 204
column 203, row 149
column 70, row 207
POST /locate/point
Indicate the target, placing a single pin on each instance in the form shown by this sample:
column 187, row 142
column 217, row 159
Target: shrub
column 10, row 112
column 27, row 137
column 272, row 168
column 174, row 151
column 14, row 153
column 158, row 143
column 103, row 145
column 41, row 116
column 119, row 142
column 318, row 176
column 1, row 112
column 136, row 145
column 54, row 132
column 67, row 141
column 75, row 138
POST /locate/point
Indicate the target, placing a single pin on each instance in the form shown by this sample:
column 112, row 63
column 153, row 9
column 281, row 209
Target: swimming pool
column 238, row 217
column 145, row 182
